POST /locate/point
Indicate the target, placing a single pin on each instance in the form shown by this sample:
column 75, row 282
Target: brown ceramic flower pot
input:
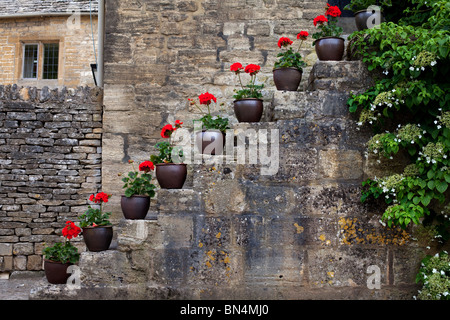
column 171, row 175
column 330, row 48
column 248, row 110
column 56, row 272
column 98, row 238
column 362, row 17
column 135, row 207
column 211, row 142
column 287, row 79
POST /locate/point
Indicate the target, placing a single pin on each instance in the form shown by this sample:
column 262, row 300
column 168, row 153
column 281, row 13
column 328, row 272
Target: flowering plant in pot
column 248, row 103
column 97, row 229
column 60, row 256
column 212, row 134
column 170, row 171
column 329, row 44
column 139, row 189
column 365, row 10
column 288, row 69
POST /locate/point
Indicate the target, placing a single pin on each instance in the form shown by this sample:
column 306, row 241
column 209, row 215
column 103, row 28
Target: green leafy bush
column 413, row 97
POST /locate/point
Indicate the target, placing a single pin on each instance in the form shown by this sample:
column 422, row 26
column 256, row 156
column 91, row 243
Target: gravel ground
column 18, row 286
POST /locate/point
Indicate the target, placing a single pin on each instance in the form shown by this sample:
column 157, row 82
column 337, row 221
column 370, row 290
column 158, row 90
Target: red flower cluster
column 253, row 69
column 70, row 230
column 320, row 19
column 236, row 67
column 168, row 129
column 207, row 98
column 284, row 42
column 99, row 197
column 333, row 11
column 302, row 35
column 146, row 166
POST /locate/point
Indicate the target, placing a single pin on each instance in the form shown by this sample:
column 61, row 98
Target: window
column 40, row 60
column 51, row 51
column 30, row 61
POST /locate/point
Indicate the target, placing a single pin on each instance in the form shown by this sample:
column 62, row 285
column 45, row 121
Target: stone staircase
column 233, row 233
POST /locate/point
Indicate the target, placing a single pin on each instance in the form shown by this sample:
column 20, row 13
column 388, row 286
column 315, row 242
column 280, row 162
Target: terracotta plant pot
column 211, row 140
column 287, row 79
column 362, row 17
column 56, row 272
column 135, row 207
column 98, row 238
column 171, row 175
column 248, row 110
column 330, row 48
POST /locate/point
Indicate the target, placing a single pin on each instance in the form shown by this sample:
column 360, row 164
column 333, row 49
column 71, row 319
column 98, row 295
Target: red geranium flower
column 167, row 131
column 252, row 69
column 146, row 166
column 302, row 35
column 320, row 19
column 236, row 67
column 333, row 11
column 99, row 197
column 284, row 42
column 206, row 98
column 71, row 230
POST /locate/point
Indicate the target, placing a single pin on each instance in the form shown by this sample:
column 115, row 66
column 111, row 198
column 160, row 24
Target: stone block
column 177, row 201
column 346, row 267
column 341, row 164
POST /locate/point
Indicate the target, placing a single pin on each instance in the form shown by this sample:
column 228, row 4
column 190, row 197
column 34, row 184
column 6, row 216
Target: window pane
column 50, row 70
column 30, row 61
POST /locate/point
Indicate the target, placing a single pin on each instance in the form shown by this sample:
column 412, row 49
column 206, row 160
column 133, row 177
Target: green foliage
column 413, row 95
column 357, row 5
column 434, row 275
column 94, row 216
column 251, row 90
column 136, row 184
column 166, row 153
column 290, row 59
column 62, row 252
column 214, row 123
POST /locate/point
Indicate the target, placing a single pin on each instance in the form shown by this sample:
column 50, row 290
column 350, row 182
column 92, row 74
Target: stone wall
column 232, row 232
column 50, row 162
column 160, row 53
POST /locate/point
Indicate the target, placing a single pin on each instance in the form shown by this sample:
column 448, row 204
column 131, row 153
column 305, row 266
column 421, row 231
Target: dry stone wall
column 50, row 161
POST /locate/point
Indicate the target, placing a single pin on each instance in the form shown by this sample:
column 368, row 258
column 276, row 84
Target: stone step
column 344, row 76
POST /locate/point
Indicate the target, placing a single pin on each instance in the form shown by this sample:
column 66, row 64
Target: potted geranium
column 139, row 189
column 170, row 171
column 288, row 69
column 213, row 133
column 97, row 229
column 248, row 103
column 60, row 256
column 329, row 44
column 365, row 9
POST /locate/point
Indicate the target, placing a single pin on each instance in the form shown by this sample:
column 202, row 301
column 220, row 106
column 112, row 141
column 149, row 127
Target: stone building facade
column 45, row 43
